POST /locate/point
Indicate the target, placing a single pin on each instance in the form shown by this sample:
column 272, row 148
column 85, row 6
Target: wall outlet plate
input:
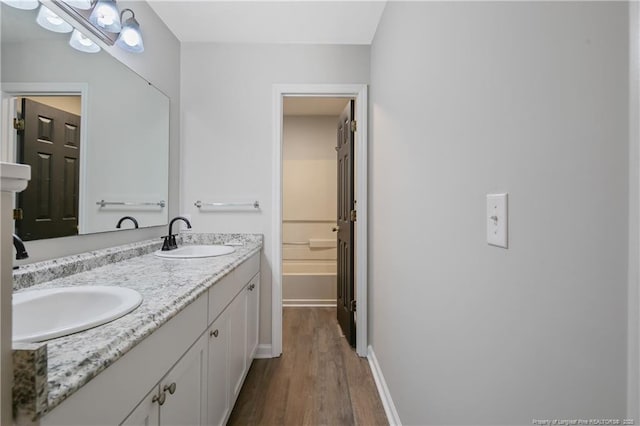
column 497, row 220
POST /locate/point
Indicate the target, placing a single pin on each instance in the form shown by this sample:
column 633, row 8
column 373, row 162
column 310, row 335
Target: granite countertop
column 167, row 287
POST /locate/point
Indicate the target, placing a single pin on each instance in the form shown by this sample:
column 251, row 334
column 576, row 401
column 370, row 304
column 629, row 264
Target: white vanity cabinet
column 253, row 309
column 181, row 397
column 218, row 373
column 232, row 347
column 191, row 369
column 232, row 344
column 237, row 343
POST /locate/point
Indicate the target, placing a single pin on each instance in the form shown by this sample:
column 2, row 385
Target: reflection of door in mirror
column 124, row 155
column 49, row 141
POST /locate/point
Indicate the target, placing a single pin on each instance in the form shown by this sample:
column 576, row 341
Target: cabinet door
column 237, row 342
column 185, row 388
column 253, row 314
column 147, row 413
column 218, row 373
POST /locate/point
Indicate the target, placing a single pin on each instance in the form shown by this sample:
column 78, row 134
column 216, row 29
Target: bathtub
column 308, row 283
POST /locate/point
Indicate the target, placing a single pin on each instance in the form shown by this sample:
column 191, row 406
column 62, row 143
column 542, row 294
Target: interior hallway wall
column 227, row 129
column 309, row 198
column 529, row 98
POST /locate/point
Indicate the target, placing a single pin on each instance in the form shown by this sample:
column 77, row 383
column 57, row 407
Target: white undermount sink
column 48, row 313
column 187, row 252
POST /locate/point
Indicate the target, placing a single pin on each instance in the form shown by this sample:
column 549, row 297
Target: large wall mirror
column 95, row 133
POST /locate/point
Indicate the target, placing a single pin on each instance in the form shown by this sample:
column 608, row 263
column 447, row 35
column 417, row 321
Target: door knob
column 335, row 229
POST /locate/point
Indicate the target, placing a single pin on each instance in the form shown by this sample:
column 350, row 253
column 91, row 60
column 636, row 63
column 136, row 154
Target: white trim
column 383, row 390
column 309, row 303
column 58, row 89
column 263, row 352
column 359, row 92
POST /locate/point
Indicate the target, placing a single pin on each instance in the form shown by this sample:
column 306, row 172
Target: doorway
column 48, row 140
column 309, row 201
column 287, row 230
column 67, row 98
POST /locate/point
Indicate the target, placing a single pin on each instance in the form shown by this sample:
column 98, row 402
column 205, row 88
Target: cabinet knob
column 171, row 388
column 160, row 399
column 251, row 287
column 213, row 333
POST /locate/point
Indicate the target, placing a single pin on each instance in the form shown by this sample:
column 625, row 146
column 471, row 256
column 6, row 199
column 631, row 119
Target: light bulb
column 131, row 37
column 83, row 43
column 105, row 16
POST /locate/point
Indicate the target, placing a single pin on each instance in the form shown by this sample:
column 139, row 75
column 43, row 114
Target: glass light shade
column 22, row 4
column 105, row 15
column 130, row 38
column 52, row 22
column 83, row 43
column 79, row 4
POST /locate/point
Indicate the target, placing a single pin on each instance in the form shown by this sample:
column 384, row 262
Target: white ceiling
column 301, row 21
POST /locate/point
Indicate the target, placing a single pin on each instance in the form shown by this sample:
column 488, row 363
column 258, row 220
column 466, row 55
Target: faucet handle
column 166, row 243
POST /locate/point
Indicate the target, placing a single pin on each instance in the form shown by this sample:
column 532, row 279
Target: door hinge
column 18, row 123
column 352, row 308
column 354, row 215
column 354, row 125
column 17, row 214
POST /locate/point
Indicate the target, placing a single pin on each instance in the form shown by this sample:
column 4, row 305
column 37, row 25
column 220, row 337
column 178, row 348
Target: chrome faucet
column 131, row 218
column 21, row 251
column 169, row 242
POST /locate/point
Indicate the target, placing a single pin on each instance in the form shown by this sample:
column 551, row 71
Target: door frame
column 10, row 90
column 359, row 93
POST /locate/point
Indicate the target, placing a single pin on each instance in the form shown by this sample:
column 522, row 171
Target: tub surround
column 167, row 286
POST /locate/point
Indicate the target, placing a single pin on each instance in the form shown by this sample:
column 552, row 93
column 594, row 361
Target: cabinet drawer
column 223, row 292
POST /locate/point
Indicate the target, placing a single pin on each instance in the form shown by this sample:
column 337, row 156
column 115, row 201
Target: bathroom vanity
column 181, row 357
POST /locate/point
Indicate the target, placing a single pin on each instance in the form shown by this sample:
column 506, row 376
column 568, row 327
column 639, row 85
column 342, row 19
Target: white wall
column 309, row 198
column 309, row 184
column 633, row 362
column 160, row 65
column 227, row 129
column 70, row 104
column 473, row 98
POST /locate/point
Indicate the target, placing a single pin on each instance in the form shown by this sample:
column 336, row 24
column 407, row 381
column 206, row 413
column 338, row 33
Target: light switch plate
column 497, row 220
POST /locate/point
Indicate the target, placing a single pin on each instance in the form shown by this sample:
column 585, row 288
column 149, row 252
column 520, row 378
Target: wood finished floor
column 318, row 380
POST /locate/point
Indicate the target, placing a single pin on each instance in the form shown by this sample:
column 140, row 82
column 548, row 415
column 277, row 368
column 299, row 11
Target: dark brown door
column 346, row 205
column 50, row 144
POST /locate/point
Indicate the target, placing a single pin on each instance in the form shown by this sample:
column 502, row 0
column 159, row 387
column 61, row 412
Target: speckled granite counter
column 167, row 286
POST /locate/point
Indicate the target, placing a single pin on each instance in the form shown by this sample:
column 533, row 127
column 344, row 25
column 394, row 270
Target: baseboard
column 263, row 351
column 309, row 303
column 383, row 390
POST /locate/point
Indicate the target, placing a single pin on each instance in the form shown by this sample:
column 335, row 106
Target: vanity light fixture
column 105, row 15
column 130, row 37
column 83, row 43
column 79, row 4
column 52, row 22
